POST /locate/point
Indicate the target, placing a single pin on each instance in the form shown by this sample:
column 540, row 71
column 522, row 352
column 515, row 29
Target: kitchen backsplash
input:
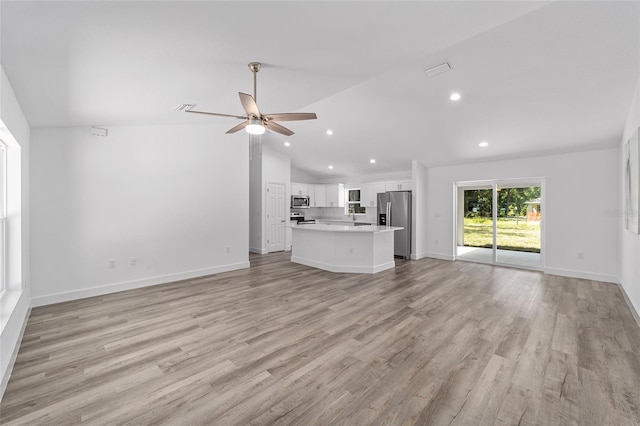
column 337, row 213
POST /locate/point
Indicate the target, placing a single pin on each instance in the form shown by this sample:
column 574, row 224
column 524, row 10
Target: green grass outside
column 522, row 236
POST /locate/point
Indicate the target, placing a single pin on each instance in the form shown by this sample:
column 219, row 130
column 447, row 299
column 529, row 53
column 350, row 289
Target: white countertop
column 340, row 221
column 346, row 228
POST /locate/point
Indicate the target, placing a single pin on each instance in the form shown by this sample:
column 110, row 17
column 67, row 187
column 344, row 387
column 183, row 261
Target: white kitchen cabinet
column 398, row 185
column 335, row 195
column 369, row 193
column 299, row 189
column 318, row 195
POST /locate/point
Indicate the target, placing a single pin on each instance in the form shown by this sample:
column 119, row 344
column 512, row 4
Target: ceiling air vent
column 185, row 107
column 99, row 131
column 438, row 69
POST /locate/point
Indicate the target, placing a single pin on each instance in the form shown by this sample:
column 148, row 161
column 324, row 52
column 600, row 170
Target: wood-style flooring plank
column 431, row 342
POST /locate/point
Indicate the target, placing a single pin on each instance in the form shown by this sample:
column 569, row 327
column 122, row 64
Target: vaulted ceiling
column 535, row 77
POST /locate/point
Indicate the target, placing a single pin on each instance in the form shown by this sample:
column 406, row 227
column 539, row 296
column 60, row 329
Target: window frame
column 3, row 217
column 355, row 204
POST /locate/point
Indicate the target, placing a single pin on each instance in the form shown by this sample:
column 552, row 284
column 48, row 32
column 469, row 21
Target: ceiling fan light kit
column 255, row 122
column 254, row 127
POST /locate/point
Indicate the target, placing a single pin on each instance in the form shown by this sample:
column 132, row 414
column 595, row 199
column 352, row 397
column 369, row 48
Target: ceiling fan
column 255, row 122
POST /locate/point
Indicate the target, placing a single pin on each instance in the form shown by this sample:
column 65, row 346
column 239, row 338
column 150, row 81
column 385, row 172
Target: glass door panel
column 519, row 214
column 475, row 223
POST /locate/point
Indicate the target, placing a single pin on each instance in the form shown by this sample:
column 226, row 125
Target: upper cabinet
column 398, row 185
column 369, row 193
column 300, row 189
column 335, row 195
column 318, row 195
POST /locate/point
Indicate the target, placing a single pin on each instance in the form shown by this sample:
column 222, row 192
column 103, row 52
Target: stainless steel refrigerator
column 394, row 209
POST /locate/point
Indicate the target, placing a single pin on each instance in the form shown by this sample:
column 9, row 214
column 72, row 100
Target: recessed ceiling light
column 287, row 144
column 455, row 96
column 372, row 161
column 330, row 132
column 330, row 166
column 483, row 144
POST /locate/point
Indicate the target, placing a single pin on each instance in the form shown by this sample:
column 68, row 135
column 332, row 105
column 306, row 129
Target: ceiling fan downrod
column 255, row 67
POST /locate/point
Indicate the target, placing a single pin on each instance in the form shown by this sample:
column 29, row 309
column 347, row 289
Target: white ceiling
column 535, row 77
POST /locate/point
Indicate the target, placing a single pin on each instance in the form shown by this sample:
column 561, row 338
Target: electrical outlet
column 112, row 264
column 228, row 249
column 133, row 261
column 580, row 255
column 350, row 251
column 436, row 242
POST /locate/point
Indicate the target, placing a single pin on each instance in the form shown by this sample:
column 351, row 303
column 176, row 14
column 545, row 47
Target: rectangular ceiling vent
column 99, row 131
column 438, row 69
column 185, row 107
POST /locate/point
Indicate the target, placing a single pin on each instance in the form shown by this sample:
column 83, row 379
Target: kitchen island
column 336, row 248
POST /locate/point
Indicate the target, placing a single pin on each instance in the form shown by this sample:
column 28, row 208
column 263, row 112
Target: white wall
column 276, row 168
column 629, row 242
column 255, row 198
column 581, row 201
column 300, row 176
column 267, row 166
column 173, row 197
column 15, row 303
column 420, row 207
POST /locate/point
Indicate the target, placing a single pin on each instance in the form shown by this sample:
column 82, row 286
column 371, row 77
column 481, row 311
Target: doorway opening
column 500, row 222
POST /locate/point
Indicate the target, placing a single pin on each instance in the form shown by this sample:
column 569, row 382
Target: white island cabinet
column 358, row 249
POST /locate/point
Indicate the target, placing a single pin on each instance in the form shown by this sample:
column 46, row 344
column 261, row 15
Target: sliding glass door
column 499, row 222
column 518, row 231
column 475, row 233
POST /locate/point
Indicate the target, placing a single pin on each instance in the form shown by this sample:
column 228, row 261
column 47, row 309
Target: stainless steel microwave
column 299, row 201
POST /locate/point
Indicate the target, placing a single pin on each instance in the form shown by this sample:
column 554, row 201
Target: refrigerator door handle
column 388, row 213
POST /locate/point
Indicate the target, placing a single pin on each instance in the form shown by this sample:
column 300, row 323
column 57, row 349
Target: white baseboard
column 23, row 319
column 257, row 250
column 130, row 285
column 580, row 274
column 441, row 256
column 356, row 269
column 630, row 304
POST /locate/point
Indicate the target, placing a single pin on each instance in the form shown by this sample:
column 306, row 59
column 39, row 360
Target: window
column 3, row 215
column 353, row 202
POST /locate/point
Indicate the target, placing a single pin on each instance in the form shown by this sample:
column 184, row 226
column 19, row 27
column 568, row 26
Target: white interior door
column 276, row 220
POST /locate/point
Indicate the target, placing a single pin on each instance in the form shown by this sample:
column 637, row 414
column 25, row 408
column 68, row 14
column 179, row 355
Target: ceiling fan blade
column 237, row 128
column 216, row 114
column 292, row 116
column 270, row 125
column 249, row 104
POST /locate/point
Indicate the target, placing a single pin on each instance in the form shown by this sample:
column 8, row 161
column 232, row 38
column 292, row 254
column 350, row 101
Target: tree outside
column 514, row 232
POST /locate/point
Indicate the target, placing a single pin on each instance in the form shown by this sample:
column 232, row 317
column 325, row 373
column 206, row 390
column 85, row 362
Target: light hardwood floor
column 430, row 343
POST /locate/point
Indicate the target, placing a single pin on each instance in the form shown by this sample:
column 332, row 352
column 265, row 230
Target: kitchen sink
column 361, row 224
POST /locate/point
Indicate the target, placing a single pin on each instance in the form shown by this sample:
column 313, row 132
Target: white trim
column 257, row 250
column 580, row 274
column 130, row 285
column 6, row 374
column 433, row 255
column 632, row 308
column 344, row 268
